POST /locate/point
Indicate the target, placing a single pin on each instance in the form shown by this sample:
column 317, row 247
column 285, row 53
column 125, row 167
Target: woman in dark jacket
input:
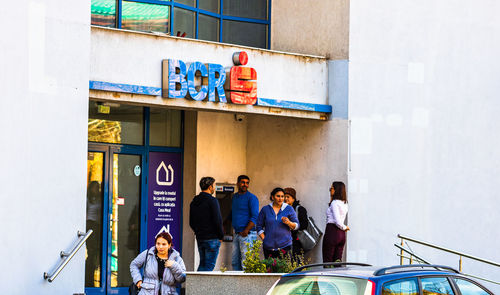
column 275, row 223
column 163, row 268
column 291, row 199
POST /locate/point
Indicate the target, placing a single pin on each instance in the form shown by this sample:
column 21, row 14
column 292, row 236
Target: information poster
column 164, row 196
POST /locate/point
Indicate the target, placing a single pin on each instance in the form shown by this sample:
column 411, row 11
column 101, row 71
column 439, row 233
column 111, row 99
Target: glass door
column 95, row 211
column 115, row 182
column 124, row 218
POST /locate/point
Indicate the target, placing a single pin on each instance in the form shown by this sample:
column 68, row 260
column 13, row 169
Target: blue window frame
column 251, row 17
column 143, row 150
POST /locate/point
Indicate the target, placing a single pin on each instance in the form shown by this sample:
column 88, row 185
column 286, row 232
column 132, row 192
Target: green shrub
column 284, row 264
column 252, row 262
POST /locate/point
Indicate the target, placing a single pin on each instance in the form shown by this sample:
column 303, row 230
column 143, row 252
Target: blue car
column 364, row 279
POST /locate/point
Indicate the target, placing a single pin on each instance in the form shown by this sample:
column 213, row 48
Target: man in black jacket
column 206, row 221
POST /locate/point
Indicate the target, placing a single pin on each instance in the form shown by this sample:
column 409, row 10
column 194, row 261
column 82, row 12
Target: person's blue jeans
column 239, row 248
column 209, row 250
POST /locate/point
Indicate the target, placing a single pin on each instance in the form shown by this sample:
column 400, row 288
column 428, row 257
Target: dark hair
column 275, row 191
column 164, row 235
column 206, row 182
column 291, row 192
column 241, row 177
column 340, row 193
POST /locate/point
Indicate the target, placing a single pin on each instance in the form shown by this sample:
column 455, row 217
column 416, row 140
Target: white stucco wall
column 135, row 58
column 215, row 145
column 273, row 151
column 304, row 154
column 311, row 27
column 43, row 121
column 423, row 100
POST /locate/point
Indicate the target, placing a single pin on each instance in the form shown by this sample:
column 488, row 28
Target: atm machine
column 224, row 193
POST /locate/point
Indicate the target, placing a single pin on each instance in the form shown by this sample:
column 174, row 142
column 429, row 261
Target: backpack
column 310, row 236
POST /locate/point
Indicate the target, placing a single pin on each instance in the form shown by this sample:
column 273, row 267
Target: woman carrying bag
column 163, row 268
column 291, row 199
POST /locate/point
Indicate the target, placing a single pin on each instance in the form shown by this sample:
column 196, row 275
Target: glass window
column 145, row 17
column 246, row 8
column 165, row 127
column 188, row 2
column 401, row 287
column 95, row 177
column 316, row 285
column 436, row 286
column 184, row 22
column 469, row 288
column 103, row 13
column 208, row 28
column 115, row 123
column 248, row 34
column 210, row 5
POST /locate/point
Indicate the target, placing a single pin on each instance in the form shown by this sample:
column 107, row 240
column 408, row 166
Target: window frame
column 457, row 289
column 413, row 278
column 444, row 276
column 220, row 16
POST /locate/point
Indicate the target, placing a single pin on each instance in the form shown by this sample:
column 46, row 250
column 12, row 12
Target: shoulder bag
column 310, row 236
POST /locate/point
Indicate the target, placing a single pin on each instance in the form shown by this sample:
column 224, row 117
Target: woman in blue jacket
column 163, row 268
column 275, row 223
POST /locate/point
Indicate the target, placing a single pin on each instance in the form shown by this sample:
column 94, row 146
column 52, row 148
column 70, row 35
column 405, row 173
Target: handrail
column 411, row 254
column 460, row 254
column 67, row 256
column 449, row 250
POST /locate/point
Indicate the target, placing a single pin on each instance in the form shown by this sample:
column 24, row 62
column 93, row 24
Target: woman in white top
column 334, row 238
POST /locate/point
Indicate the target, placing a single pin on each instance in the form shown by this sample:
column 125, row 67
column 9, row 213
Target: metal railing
column 413, row 256
column 82, row 237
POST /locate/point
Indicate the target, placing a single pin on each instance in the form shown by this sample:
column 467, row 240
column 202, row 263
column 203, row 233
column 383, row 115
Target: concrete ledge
column 229, row 282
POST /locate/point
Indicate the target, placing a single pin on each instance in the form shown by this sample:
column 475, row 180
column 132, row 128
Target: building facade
column 127, row 104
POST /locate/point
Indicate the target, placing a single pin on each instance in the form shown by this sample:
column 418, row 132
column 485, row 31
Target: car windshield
column 316, row 285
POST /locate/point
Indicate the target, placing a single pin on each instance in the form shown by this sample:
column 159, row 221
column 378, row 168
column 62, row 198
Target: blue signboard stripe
column 293, row 105
column 126, row 88
column 156, row 91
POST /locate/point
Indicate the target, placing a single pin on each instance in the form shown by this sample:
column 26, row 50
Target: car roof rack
column 384, row 270
column 329, row 264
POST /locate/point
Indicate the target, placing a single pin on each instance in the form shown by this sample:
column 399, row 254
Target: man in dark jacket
column 206, row 221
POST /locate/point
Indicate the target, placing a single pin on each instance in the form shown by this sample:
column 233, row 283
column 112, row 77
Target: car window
column 469, row 288
column 401, row 287
column 436, row 286
column 319, row 285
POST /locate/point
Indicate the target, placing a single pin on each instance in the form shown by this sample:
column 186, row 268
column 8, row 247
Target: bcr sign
column 198, row 80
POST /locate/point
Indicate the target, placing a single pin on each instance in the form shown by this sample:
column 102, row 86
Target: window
column 165, row 128
column 317, row 285
column 469, row 288
column 103, row 13
column 125, row 124
column 436, row 286
column 401, row 287
column 117, row 124
column 241, row 22
column 144, row 17
column 242, row 33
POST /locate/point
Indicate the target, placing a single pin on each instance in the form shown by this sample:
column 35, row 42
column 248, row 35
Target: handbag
column 133, row 289
column 310, row 236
